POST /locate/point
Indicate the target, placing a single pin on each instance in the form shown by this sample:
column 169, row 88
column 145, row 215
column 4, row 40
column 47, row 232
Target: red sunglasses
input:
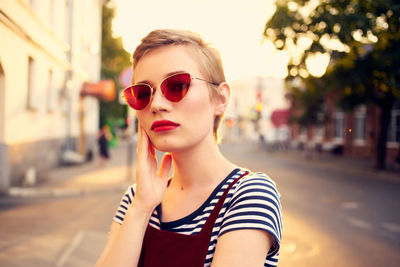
column 174, row 88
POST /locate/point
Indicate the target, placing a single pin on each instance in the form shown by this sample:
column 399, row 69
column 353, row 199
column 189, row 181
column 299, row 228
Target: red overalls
column 168, row 249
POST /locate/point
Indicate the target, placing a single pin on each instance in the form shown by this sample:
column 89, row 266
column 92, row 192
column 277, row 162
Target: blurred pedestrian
column 103, row 138
column 210, row 211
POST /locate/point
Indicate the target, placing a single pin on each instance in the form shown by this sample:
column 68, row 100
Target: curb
column 24, row 192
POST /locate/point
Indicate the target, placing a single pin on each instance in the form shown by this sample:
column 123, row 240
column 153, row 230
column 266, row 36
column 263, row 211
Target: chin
column 176, row 143
column 166, row 146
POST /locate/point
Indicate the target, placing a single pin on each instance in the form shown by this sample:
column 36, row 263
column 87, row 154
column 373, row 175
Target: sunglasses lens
column 176, row 87
column 138, row 96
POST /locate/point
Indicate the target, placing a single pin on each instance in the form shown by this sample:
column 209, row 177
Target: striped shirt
column 252, row 203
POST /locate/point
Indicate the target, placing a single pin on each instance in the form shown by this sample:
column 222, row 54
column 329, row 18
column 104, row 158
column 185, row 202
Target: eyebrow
column 165, row 76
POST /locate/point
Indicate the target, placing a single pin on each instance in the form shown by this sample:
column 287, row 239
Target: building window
column 360, row 118
column 339, row 123
column 50, row 92
column 319, row 134
column 31, row 103
column 303, row 134
column 394, row 127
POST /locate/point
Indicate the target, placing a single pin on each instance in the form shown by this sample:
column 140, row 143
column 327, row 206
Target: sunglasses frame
column 152, row 89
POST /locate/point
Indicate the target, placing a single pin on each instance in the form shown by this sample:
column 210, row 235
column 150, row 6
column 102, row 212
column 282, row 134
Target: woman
column 104, row 137
column 211, row 212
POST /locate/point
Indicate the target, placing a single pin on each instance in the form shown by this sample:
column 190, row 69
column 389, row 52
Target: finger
column 152, row 150
column 166, row 164
column 143, row 142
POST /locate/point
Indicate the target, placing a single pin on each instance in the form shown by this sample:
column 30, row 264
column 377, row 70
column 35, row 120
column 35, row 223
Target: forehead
column 161, row 61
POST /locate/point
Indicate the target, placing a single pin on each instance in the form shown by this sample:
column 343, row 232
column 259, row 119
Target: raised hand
column 150, row 183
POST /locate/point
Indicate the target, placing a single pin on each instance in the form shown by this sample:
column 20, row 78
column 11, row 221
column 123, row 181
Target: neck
column 200, row 166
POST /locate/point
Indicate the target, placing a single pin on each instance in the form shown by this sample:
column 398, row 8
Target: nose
column 159, row 102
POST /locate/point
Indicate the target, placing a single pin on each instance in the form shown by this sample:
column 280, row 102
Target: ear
column 221, row 100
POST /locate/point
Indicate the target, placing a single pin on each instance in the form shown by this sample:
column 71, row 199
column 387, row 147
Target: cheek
column 142, row 119
column 199, row 112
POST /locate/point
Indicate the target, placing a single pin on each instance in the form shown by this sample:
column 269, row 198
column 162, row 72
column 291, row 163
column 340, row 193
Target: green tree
column 114, row 59
column 365, row 62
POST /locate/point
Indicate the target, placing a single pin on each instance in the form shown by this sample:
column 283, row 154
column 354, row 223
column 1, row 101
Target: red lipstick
column 163, row 125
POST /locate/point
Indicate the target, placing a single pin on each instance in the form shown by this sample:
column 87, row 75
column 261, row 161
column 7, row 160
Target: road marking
column 392, row 227
column 360, row 223
column 70, row 249
column 351, row 205
column 289, row 248
column 297, row 247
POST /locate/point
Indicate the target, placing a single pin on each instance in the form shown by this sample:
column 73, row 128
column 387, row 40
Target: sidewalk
column 87, row 178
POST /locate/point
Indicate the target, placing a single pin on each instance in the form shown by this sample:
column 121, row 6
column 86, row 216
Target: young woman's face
column 175, row 126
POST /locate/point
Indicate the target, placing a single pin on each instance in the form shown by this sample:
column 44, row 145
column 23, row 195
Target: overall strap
column 209, row 225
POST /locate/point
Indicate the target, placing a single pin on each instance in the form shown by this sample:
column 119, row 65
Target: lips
column 163, row 125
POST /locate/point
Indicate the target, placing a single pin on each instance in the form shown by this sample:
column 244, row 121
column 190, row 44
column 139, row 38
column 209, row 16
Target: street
column 335, row 214
column 43, row 232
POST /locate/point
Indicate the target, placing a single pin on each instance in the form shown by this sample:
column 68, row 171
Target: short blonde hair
column 208, row 58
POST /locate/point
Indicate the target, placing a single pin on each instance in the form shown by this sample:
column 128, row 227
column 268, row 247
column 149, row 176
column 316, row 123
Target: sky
column 234, row 27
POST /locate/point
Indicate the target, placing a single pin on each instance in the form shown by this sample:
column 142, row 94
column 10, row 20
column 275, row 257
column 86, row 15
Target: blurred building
column 353, row 134
column 48, row 50
column 249, row 115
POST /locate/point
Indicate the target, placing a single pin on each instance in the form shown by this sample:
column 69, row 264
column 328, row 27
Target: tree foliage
column 114, row 59
column 362, row 38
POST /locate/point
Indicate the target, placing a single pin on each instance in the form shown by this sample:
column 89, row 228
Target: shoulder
column 255, row 204
column 255, row 189
column 257, row 184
